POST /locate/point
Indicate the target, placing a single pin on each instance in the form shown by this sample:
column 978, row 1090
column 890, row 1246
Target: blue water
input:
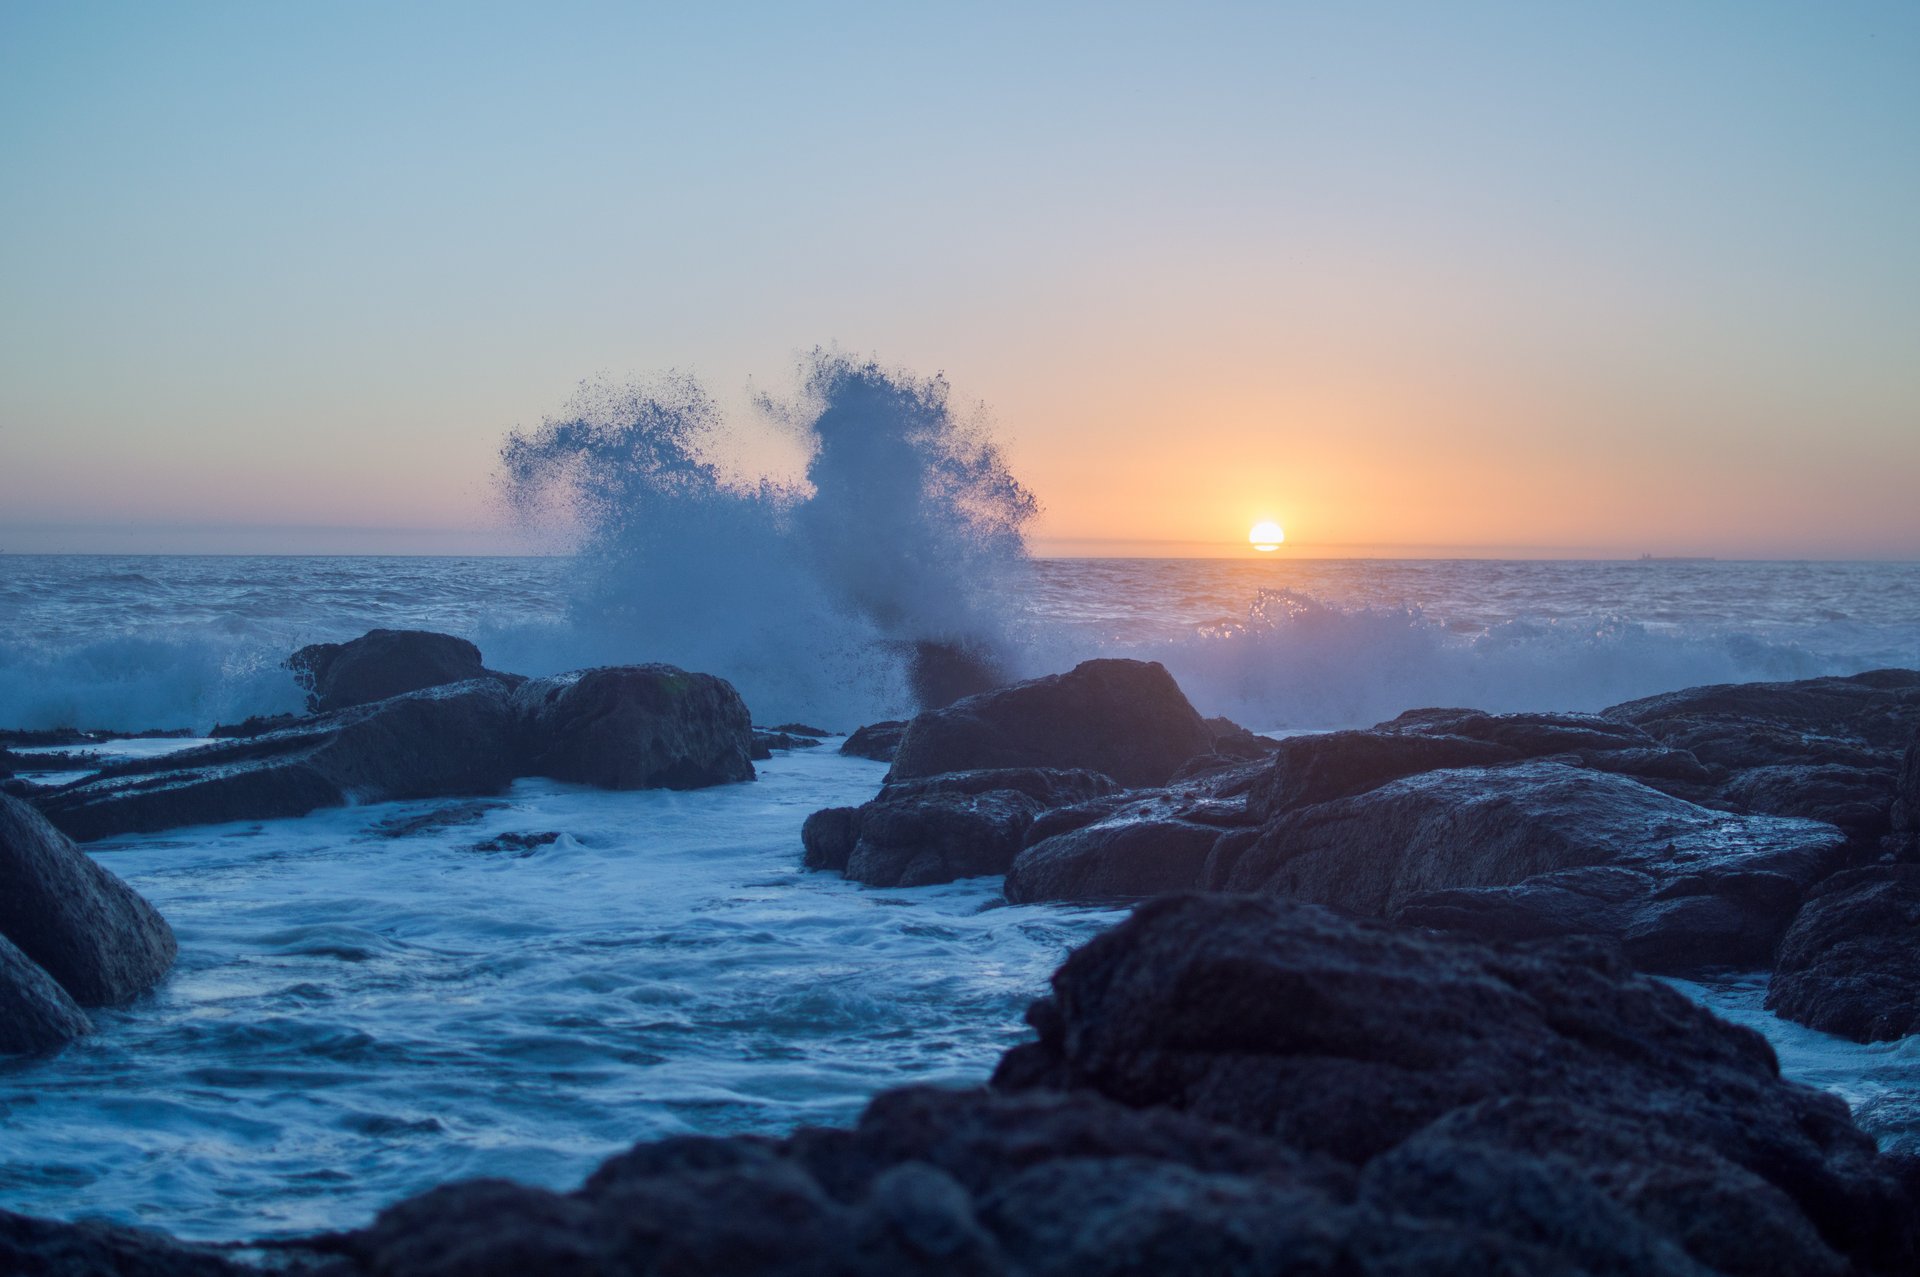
column 368, row 1003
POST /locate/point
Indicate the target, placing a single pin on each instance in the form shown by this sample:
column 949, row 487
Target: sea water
column 373, row 1000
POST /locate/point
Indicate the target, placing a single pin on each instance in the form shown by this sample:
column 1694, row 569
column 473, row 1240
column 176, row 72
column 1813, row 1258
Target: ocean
column 373, row 1000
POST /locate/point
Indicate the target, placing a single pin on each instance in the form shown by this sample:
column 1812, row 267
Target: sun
column 1266, row 536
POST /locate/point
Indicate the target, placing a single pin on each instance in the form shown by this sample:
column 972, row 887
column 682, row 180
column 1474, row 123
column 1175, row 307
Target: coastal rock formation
column 1512, row 1088
column 94, row 935
column 940, row 673
column 957, row 825
column 878, row 741
column 1850, row 963
column 1905, row 814
column 36, row 1014
column 635, row 727
column 452, row 741
column 383, row 663
column 1826, row 748
column 1226, row 1085
column 1542, row 848
column 1125, row 719
column 767, row 739
column 32, row 1247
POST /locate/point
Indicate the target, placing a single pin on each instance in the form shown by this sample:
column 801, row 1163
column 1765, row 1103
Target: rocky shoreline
column 1385, row 1006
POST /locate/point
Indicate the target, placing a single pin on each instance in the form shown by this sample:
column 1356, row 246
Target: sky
column 1418, row 279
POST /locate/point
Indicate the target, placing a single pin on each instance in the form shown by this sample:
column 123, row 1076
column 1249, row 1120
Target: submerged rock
column 1122, row 718
column 1850, row 963
column 765, row 740
column 453, row 741
column 94, row 935
column 635, row 727
column 383, row 663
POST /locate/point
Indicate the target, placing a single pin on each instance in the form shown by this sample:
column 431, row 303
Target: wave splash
column 819, row 597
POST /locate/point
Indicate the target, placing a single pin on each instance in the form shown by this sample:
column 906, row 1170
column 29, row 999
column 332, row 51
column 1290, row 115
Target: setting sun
column 1266, row 535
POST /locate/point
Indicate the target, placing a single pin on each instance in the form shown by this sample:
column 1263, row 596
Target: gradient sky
column 1443, row 278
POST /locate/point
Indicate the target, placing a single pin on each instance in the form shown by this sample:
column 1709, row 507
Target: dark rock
column 36, row 1014
column 1497, row 1087
column 96, row 936
column 1126, row 719
column 441, row 742
column 438, row 820
column 31, row 1247
column 878, row 741
column 940, row 673
column 1122, row 857
column 1850, row 963
column 1328, row 765
column 801, row 729
column 382, row 663
column 635, row 727
column 256, row 725
column 521, row 844
column 958, row 825
column 1904, row 816
column 765, row 741
column 1719, row 887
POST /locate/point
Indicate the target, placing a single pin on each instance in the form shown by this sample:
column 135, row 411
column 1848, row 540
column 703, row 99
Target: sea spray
column 820, row 598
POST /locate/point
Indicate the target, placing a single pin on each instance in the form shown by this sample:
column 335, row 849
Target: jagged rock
column 958, row 825
column 801, row 729
column 383, row 663
column 1493, row 1086
column 36, row 1014
column 1850, row 963
column 1904, row 817
column 878, row 741
column 94, row 935
column 452, row 741
column 1828, row 748
column 940, row 673
column 1122, row 857
column 1474, row 848
column 766, row 740
column 1125, row 719
column 1321, row 767
column 636, row 727
column 253, row 725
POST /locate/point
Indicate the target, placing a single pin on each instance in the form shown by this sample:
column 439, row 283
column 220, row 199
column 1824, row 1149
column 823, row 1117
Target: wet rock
column 801, row 729
column 453, row 741
column 766, row 740
column 94, row 935
column 36, row 1014
column 1482, row 849
column 382, row 663
column 958, row 825
column 1321, row 767
column 436, row 821
column 520, row 844
column 1904, row 816
column 1495, row 1087
column 940, row 673
column 31, row 1246
column 255, row 725
column 635, row 727
column 878, row 741
column 1122, row 857
column 1126, row 719
column 1827, row 748
column 1850, row 963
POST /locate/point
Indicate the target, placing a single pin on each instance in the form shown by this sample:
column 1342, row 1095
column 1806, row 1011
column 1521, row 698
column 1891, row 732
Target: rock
column 1466, row 846
column 382, row 663
column 801, row 729
column 93, row 1249
column 1119, row 858
column 940, row 673
column 1125, row 719
column 36, row 1014
column 1850, row 963
column 959, row 825
column 635, row 727
column 1499, row 1088
column 1904, row 816
column 1328, row 765
column 878, row 741
column 766, row 740
column 453, row 741
column 94, row 935
column 254, row 725
column 1828, row 748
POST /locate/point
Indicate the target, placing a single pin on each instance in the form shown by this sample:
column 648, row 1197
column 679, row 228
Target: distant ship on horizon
column 1677, row 558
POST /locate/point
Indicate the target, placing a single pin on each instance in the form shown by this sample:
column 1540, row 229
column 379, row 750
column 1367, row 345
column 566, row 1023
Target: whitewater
column 373, row 1000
